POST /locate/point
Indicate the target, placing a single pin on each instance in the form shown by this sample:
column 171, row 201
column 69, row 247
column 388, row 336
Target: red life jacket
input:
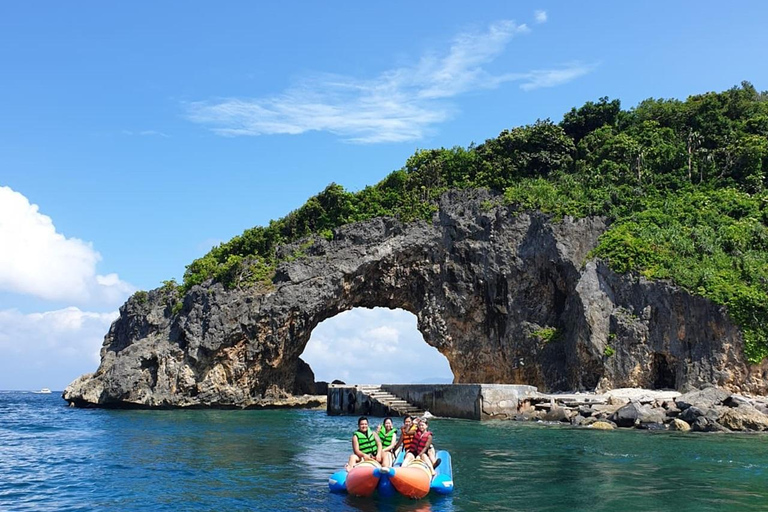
column 419, row 442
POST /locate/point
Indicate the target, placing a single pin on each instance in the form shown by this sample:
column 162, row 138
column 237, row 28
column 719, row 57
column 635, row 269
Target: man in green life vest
column 366, row 445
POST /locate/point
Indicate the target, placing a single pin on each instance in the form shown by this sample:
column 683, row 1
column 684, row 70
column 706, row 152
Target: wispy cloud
column 540, row 78
column 401, row 104
column 540, row 16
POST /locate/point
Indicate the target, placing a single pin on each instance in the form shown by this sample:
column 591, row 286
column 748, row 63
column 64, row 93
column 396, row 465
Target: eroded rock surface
column 488, row 285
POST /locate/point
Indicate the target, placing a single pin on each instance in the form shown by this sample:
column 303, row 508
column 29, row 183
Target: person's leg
column 408, row 458
column 427, row 461
column 432, row 454
column 352, row 462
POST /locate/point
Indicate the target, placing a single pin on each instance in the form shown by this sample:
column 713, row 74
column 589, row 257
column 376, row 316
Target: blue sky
column 134, row 136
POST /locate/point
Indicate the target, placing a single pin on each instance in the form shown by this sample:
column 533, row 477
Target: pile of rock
column 707, row 410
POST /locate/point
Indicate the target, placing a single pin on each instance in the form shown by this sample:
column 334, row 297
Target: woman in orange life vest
column 388, row 435
column 419, row 448
column 365, row 444
column 406, row 434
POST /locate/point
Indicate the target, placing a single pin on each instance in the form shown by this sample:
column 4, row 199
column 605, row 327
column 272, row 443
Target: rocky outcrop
column 506, row 296
column 710, row 409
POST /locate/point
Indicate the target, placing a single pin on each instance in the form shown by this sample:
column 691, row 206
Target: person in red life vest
column 422, row 441
column 365, row 444
column 406, row 434
column 388, row 436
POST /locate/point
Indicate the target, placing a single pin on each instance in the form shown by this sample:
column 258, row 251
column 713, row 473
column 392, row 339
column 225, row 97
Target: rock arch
column 505, row 296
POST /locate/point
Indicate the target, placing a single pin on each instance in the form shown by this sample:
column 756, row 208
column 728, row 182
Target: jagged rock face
column 485, row 283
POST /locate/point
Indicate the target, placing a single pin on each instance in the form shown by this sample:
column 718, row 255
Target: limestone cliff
column 506, row 296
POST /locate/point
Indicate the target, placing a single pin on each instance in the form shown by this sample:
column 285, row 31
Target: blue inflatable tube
column 442, row 482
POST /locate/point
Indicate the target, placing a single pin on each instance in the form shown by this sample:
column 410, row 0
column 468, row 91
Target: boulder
column 744, row 417
column 690, row 414
column 704, row 424
column 702, row 398
column 556, row 414
column 678, row 424
column 736, row 401
column 602, row 425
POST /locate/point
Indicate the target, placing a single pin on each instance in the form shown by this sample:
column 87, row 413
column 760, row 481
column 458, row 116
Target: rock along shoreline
column 711, row 409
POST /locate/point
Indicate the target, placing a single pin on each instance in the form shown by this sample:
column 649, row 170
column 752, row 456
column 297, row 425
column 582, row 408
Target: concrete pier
column 467, row 401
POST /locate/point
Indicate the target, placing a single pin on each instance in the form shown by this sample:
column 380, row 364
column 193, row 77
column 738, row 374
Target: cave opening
column 374, row 346
column 662, row 375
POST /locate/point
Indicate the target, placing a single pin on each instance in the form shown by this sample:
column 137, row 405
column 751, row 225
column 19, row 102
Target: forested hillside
column 684, row 183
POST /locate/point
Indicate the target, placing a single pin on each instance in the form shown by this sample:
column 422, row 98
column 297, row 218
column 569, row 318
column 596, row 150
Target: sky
column 134, row 136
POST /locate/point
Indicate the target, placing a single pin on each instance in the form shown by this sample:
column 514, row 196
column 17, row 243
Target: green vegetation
column 547, row 334
column 609, row 351
column 684, row 183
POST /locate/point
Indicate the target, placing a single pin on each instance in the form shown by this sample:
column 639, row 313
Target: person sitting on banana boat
column 366, row 445
column 406, row 435
column 421, row 445
column 388, row 436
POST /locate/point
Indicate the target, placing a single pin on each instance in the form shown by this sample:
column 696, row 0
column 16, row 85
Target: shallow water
column 57, row 458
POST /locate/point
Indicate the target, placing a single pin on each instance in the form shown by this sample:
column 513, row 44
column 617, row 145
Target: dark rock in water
column 483, row 279
column 305, row 379
column 704, row 424
column 652, row 426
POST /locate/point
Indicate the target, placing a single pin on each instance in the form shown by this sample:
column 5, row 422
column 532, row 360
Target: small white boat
column 44, row 391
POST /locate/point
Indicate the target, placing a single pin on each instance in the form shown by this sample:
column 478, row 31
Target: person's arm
column 426, row 446
column 356, row 447
column 378, row 445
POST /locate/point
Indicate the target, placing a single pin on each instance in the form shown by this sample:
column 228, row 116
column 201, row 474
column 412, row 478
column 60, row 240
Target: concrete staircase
column 395, row 404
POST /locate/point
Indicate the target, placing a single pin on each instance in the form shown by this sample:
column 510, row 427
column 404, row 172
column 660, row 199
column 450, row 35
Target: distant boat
column 44, row 391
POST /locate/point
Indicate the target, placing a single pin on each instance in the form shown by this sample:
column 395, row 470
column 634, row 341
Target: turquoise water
column 56, row 458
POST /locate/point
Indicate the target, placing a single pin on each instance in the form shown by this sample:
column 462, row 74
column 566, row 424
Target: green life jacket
column 367, row 444
column 386, row 437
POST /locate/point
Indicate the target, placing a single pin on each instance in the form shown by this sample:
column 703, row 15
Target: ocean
column 56, row 458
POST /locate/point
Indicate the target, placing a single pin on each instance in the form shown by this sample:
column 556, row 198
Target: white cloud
column 540, row 16
column 37, row 260
column 400, row 104
column 373, row 346
column 50, row 349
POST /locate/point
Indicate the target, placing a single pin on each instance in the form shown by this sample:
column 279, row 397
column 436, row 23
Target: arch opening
column 374, row 346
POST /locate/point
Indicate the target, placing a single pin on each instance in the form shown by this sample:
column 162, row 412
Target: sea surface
column 53, row 457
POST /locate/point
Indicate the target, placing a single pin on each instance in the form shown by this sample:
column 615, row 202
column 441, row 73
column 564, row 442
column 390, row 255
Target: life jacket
column 367, row 444
column 386, row 437
column 419, row 442
column 408, row 437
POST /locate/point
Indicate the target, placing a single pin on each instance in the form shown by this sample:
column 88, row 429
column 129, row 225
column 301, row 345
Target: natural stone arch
column 505, row 296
